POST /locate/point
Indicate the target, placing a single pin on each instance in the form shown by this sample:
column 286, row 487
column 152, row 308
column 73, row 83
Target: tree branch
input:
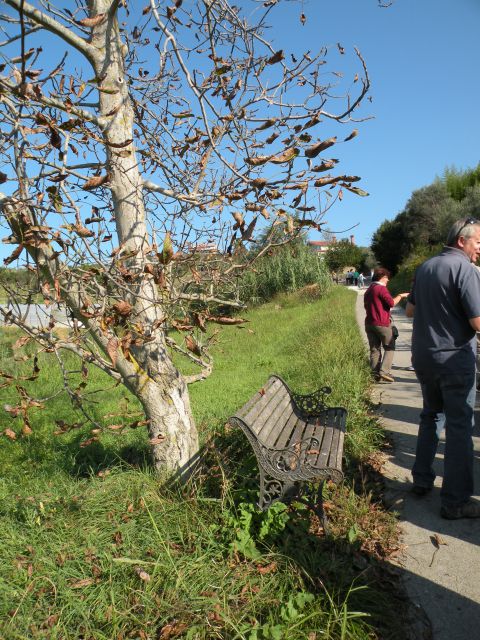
column 55, row 27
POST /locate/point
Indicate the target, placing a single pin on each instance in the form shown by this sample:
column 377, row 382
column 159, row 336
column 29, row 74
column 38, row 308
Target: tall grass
column 286, row 270
column 94, row 548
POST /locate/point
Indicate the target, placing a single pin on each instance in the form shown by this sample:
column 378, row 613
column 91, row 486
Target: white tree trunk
column 156, row 382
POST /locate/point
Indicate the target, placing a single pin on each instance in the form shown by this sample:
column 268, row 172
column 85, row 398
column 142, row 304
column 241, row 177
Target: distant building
column 322, row 246
column 205, row 247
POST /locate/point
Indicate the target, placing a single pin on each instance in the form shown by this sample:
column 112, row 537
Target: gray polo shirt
column 446, row 293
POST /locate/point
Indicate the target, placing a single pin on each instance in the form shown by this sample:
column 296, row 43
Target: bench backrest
column 268, row 412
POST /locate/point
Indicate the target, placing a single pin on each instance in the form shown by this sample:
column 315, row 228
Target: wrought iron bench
column 297, row 439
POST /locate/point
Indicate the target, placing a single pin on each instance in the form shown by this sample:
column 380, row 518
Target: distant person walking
column 361, row 280
column 445, row 307
column 378, row 303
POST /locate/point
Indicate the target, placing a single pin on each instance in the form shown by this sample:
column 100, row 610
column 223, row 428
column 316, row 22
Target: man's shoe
column 470, row 509
column 386, row 377
column 420, row 491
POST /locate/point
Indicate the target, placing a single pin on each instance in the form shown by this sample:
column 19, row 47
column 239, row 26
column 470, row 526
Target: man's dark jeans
column 454, row 395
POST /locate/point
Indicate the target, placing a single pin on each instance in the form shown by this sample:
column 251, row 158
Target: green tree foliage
column 345, row 254
column 423, row 223
column 420, row 229
column 459, row 183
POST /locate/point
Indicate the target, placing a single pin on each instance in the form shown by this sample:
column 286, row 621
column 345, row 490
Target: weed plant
column 95, row 547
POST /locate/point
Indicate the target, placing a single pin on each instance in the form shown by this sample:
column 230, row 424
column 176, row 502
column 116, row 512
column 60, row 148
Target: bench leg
column 318, row 508
column 272, row 490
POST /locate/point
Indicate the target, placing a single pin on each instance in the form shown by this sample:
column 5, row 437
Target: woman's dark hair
column 379, row 273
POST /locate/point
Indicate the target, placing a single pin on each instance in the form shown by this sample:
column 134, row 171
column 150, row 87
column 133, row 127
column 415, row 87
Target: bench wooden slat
column 266, row 404
column 336, row 450
column 291, row 433
column 322, row 460
column 263, row 395
column 275, row 422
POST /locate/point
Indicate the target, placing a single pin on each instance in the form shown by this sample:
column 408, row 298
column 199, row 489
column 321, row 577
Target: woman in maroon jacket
column 378, row 323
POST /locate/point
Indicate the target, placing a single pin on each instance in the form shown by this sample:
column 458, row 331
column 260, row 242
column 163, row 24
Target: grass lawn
column 93, row 547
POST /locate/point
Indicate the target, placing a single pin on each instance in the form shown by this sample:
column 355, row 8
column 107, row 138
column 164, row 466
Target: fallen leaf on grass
column 172, row 630
column 269, row 568
column 79, row 584
column 143, row 575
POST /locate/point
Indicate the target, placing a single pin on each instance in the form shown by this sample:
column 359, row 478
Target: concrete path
column 37, row 315
column 441, row 565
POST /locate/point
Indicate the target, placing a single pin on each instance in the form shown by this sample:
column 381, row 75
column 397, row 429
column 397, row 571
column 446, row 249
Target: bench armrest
column 312, row 404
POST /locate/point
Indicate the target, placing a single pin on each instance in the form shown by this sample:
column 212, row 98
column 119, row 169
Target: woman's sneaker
column 385, row 377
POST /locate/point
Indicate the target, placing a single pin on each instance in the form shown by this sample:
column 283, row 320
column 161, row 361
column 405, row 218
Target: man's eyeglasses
column 467, row 222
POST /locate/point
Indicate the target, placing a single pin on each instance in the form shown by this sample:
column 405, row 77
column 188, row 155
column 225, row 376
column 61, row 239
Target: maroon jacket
column 378, row 302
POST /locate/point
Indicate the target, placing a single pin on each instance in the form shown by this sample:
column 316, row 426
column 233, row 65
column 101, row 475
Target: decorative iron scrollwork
column 313, row 403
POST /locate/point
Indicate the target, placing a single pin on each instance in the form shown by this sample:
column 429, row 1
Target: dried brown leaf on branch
column 82, row 231
column 238, row 217
column 95, row 181
column 14, row 255
column 112, row 350
column 267, row 124
column 21, row 342
column 259, row 183
column 356, row 190
column 278, row 56
column 256, row 161
column 325, row 165
column 352, row 135
column 286, row 156
column 123, row 308
column 314, row 150
column 321, row 182
column 55, row 139
column 192, row 345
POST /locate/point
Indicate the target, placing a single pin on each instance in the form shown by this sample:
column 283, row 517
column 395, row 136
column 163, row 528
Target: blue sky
column 423, row 61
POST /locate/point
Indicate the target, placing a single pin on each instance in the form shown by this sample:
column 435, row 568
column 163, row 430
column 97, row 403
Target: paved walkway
column 442, row 558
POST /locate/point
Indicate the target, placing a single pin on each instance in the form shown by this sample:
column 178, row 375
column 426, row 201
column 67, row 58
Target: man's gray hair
column 465, row 227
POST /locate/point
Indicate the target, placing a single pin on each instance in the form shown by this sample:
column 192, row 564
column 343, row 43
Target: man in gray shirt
column 445, row 306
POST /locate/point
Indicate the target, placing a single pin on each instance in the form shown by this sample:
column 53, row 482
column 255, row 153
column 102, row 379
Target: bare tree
column 137, row 166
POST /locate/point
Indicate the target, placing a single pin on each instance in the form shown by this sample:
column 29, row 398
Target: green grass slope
column 93, row 547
